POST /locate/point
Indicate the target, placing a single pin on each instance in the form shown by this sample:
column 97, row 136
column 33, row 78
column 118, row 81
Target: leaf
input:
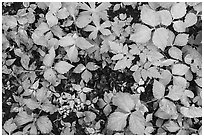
column 33, row 130
column 83, row 20
column 54, row 6
column 162, row 114
column 9, row 126
column 180, row 81
column 175, row 92
column 179, row 69
column 44, row 124
column 191, row 112
column 72, row 53
column 92, row 66
column 171, row 126
column 137, row 123
column 175, row 53
column 51, row 19
column 10, row 21
column 168, row 107
column 160, row 38
column 165, row 16
column 41, row 94
column 178, row 10
column 30, row 103
column 179, row 26
column 49, row 58
column 142, row 34
column 190, row 19
column 121, row 64
column 181, row 39
column 47, row 106
column 86, row 76
column 158, row 89
column 116, row 47
column 79, row 68
column 171, row 38
column 67, row 40
column 25, row 61
column 149, row 16
column 63, row 67
column 89, row 116
column 23, row 118
column 117, row 121
column 50, row 75
column 62, row 13
column 83, row 44
column 123, row 101
column 117, row 57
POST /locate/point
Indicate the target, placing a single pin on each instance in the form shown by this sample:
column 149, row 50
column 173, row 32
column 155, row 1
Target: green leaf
column 30, row 103
column 41, row 94
column 191, row 112
column 89, row 116
column 142, row 34
column 178, row 10
column 23, row 118
column 44, row 124
column 116, row 47
column 175, row 53
column 190, row 19
column 175, row 92
column 92, row 66
column 49, row 58
column 63, row 67
column 179, row 69
column 137, row 123
column 67, row 40
column 72, row 53
column 121, row 64
column 86, row 76
column 160, row 38
column 9, row 126
column 83, row 20
column 123, row 101
column 25, row 59
column 54, row 6
column 51, row 19
column 165, row 16
column 79, row 68
column 117, row 121
column 181, row 39
column 171, row 126
column 83, row 44
column 158, row 89
column 117, row 57
column 179, row 26
column 50, row 75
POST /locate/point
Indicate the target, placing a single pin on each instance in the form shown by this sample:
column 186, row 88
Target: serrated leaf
column 86, row 76
column 158, row 89
column 79, row 68
column 190, row 19
column 117, row 121
column 179, row 69
column 67, row 40
column 175, row 53
column 44, row 124
column 142, row 34
column 165, row 16
column 41, row 94
column 9, row 126
column 83, row 44
column 181, row 39
column 123, row 101
column 149, row 16
column 30, row 103
column 23, row 118
column 72, row 53
column 137, row 123
column 179, row 26
column 171, row 126
column 191, row 112
column 63, row 67
column 51, row 19
column 117, row 57
column 89, row 116
column 178, row 10
column 92, row 66
column 160, row 38
column 48, row 107
column 49, row 58
column 116, row 47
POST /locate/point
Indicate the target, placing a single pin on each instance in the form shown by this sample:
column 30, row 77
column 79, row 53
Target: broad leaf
column 117, row 121
column 191, row 112
column 121, row 64
column 54, row 6
column 23, row 118
column 171, row 126
column 175, row 92
column 50, row 75
column 142, row 34
column 168, row 107
column 117, row 57
column 137, row 123
column 63, row 67
column 175, row 53
column 51, row 19
column 116, row 47
column 179, row 69
column 83, row 44
column 25, row 61
column 89, row 116
column 49, row 58
column 181, row 39
column 123, row 101
column 79, row 68
column 160, row 38
column 72, row 53
column 86, row 76
column 179, row 26
column 178, row 10
column 67, row 40
column 83, row 20
column 30, row 103
column 44, row 124
column 9, row 126
column 92, row 66
column 165, row 16
column 41, row 94
column 190, row 19
column 158, row 89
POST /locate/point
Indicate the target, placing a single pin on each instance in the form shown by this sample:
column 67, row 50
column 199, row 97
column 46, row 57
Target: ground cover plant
column 109, row 68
